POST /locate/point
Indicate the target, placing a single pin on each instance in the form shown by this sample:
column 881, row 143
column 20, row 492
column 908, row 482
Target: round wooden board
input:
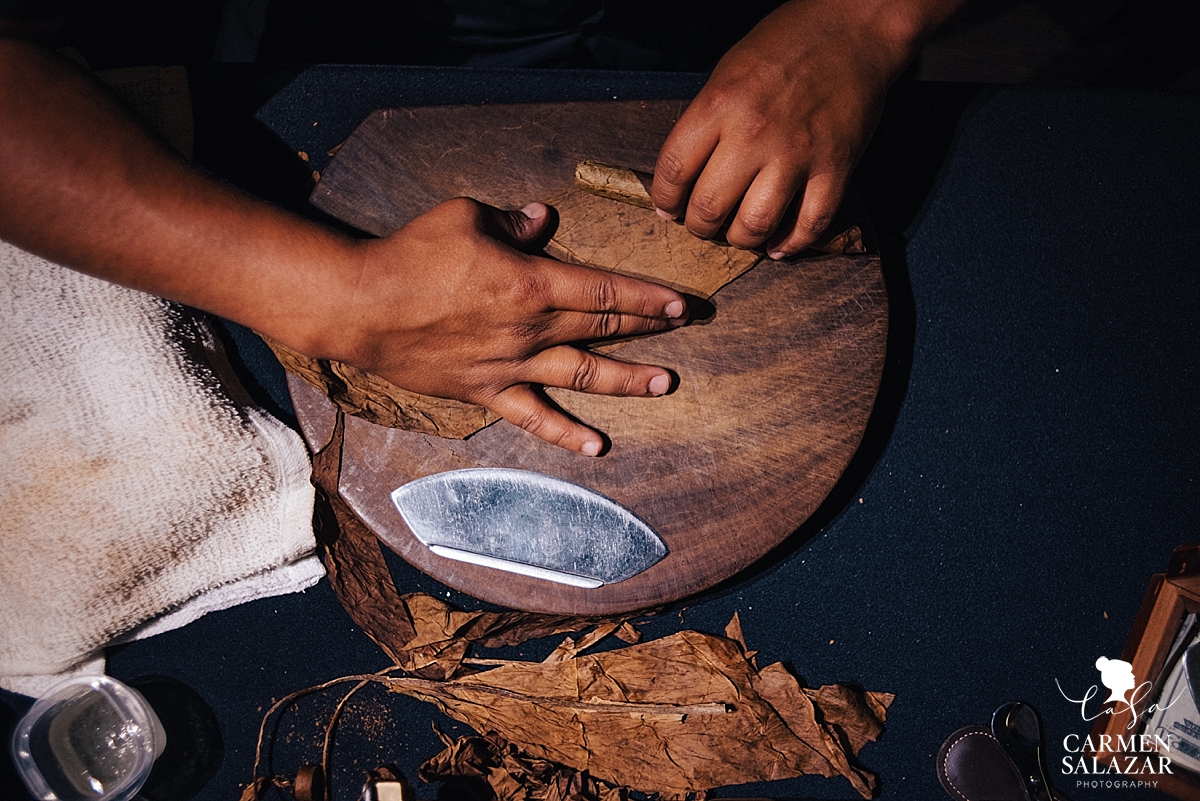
column 773, row 397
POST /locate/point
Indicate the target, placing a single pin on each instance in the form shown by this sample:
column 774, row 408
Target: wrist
column 303, row 292
column 887, row 32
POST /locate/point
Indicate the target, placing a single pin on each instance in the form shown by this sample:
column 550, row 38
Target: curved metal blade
column 528, row 523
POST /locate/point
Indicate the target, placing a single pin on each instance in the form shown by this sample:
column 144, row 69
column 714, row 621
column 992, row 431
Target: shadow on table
column 896, row 175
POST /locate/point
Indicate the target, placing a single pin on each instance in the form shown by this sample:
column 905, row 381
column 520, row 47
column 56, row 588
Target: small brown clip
column 309, row 784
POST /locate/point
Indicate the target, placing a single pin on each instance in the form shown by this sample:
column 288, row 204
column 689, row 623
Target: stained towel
column 141, row 488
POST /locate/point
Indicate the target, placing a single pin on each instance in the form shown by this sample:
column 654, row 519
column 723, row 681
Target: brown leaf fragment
column 498, row 629
column 858, row 715
column 801, row 713
column 840, row 238
column 255, row 789
column 733, row 631
column 569, row 648
column 682, row 714
column 443, row 633
column 627, row 632
column 513, row 774
column 379, row 401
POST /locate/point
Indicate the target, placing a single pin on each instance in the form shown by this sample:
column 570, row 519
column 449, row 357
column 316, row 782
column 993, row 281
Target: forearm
column 88, row 187
column 891, row 31
column 450, row 305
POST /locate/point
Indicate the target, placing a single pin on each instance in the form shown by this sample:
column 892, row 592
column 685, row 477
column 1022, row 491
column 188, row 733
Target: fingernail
column 666, row 215
column 590, row 448
column 534, row 211
column 675, row 308
column 777, row 255
column 659, row 385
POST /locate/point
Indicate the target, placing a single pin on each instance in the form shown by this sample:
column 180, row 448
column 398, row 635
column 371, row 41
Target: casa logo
column 1106, row 760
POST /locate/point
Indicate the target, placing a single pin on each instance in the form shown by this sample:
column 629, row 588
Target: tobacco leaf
column 675, row 716
column 628, row 633
column 610, row 235
column 682, row 714
column 381, row 402
column 733, row 631
column 569, row 648
column 514, row 775
column 443, row 632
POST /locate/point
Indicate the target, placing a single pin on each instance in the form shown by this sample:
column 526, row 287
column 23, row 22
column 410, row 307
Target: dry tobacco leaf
column 627, row 632
column 733, row 631
column 442, row 632
column 678, row 715
column 255, row 789
column 514, row 775
column 381, row 402
column 675, row 716
column 598, row 232
column 569, row 649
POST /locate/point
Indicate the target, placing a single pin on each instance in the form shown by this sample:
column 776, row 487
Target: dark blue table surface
column 1032, row 462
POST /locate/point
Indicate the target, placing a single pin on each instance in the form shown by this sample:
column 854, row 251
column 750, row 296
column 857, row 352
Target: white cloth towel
column 140, row 488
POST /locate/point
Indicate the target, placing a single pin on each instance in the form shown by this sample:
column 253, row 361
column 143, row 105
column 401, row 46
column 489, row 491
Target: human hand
column 450, row 306
column 768, row 144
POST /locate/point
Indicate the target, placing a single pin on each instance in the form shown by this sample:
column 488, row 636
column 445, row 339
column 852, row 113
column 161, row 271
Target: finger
column 583, row 371
column 718, row 190
column 822, row 196
column 572, row 326
column 519, row 229
column 570, row 287
column 762, row 209
column 680, row 162
column 524, row 408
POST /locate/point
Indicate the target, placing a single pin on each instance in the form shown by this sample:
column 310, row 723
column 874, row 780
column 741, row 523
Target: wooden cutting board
column 774, row 390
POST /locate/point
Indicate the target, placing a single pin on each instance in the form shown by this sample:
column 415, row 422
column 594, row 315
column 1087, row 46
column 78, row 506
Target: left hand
column 772, row 137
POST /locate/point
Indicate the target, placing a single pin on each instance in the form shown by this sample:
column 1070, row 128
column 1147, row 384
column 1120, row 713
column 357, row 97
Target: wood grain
column 774, row 390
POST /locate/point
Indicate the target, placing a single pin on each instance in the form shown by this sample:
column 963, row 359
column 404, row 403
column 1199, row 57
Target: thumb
column 523, row 228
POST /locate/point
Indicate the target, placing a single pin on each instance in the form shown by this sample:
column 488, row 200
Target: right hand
column 450, row 306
